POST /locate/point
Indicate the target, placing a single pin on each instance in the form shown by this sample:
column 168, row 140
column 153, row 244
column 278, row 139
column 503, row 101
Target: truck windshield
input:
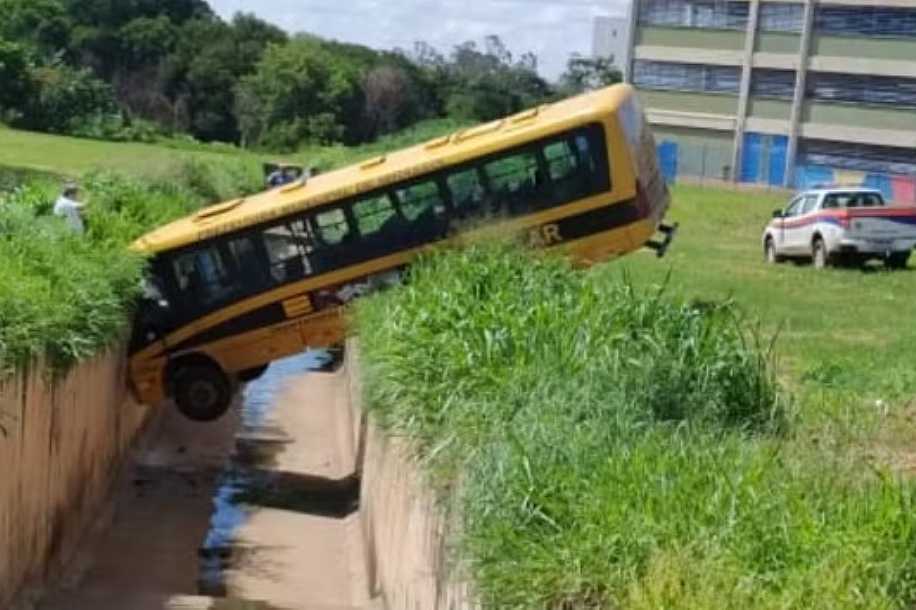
column 853, row 200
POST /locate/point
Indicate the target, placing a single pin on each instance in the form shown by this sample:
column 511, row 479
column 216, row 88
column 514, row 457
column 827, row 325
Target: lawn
column 45, row 153
column 700, row 432
column 39, row 153
column 850, row 329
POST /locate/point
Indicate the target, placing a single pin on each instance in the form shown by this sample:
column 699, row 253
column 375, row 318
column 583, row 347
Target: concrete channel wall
column 61, row 445
column 406, row 529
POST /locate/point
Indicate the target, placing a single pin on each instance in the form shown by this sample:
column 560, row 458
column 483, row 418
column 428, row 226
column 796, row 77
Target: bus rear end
column 652, row 196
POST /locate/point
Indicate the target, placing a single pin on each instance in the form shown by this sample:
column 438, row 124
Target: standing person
column 70, row 209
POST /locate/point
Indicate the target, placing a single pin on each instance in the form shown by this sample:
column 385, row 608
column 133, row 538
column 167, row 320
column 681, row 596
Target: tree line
column 142, row 69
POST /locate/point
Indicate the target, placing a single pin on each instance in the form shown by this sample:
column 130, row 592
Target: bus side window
column 332, row 227
column 420, row 200
column 516, row 182
column 212, row 274
column 249, row 263
column 586, row 154
column 373, row 214
column 287, row 251
column 381, row 227
column 467, row 192
column 424, row 208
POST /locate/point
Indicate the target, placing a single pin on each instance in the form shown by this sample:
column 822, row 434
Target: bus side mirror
column 777, row 214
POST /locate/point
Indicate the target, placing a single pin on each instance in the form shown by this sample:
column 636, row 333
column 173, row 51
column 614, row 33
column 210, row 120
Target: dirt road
column 258, row 510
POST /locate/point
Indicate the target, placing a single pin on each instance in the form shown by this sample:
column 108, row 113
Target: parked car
column 841, row 226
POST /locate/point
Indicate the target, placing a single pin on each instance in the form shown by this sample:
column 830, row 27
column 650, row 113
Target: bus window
column 467, row 192
column 586, row 153
column 515, row 181
column 382, row 228
column 332, row 227
column 420, row 199
column 287, row 247
column 424, row 208
column 562, row 160
column 373, row 214
column 215, row 274
column 248, row 263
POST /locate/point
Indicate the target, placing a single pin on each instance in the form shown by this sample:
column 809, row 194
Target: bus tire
column 202, row 392
column 252, row 374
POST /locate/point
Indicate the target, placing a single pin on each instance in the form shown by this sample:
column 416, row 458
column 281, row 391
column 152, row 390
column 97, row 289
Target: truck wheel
column 819, row 254
column 252, row 374
column 897, row 260
column 202, row 392
column 769, row 252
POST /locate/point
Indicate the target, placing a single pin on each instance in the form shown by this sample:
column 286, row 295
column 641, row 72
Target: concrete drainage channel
column 285, row 526
column 259, row 511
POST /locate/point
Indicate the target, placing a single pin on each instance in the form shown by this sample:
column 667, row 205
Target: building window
column 773, row 83
column 862, row 89
column 781, row 17
column 866, row 21
column 858, row 157
column 662, row 75
column 710, row 14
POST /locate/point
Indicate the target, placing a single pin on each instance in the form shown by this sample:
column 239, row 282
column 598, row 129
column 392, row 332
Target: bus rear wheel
column 202, row 392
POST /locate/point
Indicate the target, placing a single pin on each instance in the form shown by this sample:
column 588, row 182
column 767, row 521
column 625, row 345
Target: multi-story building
column 779, row 91
column 611, row 39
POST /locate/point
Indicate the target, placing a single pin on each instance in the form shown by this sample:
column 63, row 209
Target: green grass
column 618, row 438
column 840, row 328
column 73, row 157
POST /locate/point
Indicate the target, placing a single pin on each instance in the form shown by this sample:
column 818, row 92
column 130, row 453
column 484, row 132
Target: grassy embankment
column 66, row 298
column 614, row 446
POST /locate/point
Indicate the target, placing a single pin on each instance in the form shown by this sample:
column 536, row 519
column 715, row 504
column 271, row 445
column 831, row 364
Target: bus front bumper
column 668, row 233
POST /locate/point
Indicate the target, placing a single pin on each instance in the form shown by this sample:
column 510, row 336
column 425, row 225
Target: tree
column 66, row 98
column 482, row 84
column 41, row 24
column 17, row 84
column 299, row 91
column 587, row 74
column 146, row 41
column 390, row 99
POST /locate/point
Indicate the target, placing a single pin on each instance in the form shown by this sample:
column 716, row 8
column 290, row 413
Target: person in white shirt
column 70, row 209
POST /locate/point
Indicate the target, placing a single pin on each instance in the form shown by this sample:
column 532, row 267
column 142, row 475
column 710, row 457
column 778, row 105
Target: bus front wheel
column 202, row 392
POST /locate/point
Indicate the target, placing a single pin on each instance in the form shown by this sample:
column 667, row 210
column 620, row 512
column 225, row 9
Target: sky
column 552, row 29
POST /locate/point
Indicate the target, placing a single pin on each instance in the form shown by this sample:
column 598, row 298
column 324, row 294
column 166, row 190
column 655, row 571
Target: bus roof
column 375, row 173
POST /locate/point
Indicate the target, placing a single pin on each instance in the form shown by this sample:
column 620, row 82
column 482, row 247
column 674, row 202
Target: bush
column 67, row 99
column 616, row 448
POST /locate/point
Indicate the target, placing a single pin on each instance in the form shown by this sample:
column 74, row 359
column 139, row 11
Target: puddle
column 258, row 441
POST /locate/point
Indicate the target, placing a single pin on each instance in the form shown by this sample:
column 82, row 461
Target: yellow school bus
column 246, row 282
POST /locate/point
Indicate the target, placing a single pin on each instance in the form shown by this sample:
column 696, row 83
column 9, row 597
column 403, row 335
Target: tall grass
column 620, row 448
column 65, row 297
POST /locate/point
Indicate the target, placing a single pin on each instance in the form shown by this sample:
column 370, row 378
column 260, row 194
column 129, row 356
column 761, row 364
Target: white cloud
column 553, row 29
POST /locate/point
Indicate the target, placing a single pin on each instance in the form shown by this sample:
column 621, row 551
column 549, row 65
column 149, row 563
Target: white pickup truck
column 841, row 226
